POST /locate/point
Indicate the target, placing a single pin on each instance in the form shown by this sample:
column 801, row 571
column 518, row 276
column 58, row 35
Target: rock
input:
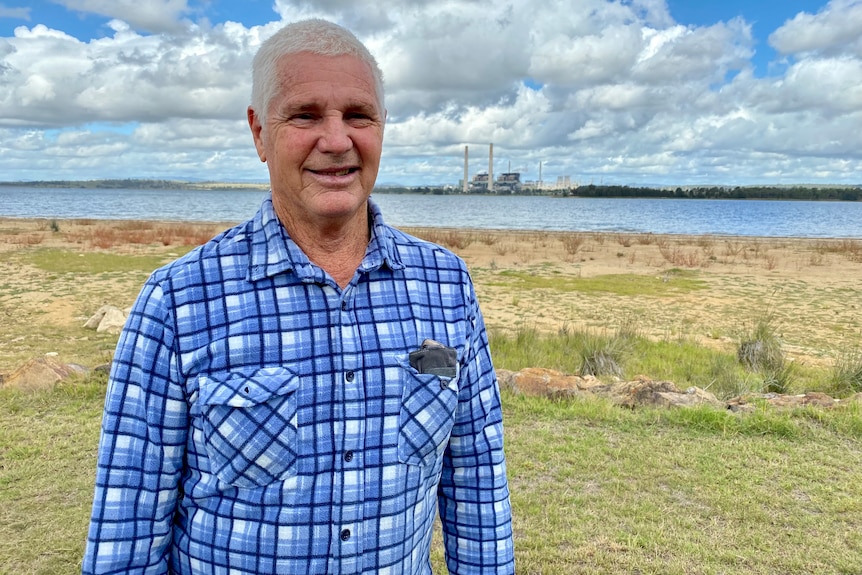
column 749, row 401
column 107, row 319
column 545, row 382
column 103, row 368
column 41, row 373
column 856, row 398
column 643, row 391
column 112, row 322
column 94, row 320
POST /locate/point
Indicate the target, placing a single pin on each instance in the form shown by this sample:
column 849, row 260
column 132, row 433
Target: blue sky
column 640, row 92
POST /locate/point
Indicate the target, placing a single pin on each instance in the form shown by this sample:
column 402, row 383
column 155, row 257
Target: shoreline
column 46, row 221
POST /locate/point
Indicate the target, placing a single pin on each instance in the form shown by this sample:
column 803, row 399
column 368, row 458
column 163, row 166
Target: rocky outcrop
column 643, row 391
column 639, row 391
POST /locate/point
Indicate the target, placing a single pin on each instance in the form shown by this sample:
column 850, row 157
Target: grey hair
column 315, row 36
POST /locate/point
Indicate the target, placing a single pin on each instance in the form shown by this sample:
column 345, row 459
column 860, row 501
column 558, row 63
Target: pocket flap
column 238, row 389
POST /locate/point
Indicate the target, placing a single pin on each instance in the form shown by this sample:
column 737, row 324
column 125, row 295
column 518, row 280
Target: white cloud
column 833, row 30
column 57, row 80
column 151, row 15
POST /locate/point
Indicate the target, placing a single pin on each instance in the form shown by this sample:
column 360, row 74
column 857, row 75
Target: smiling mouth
column 341, row 172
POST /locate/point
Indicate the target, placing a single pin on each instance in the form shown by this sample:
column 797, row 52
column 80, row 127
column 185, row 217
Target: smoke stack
column 465, row 168
column 491, row 169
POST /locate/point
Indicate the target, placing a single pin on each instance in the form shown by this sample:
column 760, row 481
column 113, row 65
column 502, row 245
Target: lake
column 648, row 215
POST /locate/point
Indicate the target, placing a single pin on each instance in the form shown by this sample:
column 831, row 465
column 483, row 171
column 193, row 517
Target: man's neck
column 337, row 247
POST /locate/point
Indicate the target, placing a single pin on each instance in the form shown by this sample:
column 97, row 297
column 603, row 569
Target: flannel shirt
column 259, row 419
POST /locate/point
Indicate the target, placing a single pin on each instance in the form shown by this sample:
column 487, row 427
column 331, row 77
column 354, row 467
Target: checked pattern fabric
column 262, row 419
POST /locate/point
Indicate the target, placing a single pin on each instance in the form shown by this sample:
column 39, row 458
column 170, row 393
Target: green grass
column 595, row 488
column 680, row 491
column 47, row 467
column 64, row 261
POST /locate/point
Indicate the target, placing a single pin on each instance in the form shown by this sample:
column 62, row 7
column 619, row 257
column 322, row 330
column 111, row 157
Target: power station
column 484, row 183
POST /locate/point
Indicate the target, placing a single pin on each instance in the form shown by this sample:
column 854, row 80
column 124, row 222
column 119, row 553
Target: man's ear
column 256, row 133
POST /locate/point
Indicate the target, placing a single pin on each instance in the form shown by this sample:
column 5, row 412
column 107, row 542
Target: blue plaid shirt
column 259, row 419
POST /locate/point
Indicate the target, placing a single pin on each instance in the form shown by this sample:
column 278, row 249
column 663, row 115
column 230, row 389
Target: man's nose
column 335, row 136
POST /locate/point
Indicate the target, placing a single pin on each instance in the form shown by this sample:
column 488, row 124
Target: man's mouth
column 340, row 172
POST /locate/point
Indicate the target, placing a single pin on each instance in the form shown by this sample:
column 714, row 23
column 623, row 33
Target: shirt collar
column 272, row 251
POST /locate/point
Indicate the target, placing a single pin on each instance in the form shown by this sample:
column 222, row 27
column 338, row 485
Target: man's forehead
column 302, row 61
column 304, row 72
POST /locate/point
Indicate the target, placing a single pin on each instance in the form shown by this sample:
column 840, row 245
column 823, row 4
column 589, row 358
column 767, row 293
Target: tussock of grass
column 846, row 377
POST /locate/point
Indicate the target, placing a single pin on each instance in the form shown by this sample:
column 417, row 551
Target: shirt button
column 345, row 534
column 344, row 306
column 444, row 384
column 348, row 456
column 349, row 376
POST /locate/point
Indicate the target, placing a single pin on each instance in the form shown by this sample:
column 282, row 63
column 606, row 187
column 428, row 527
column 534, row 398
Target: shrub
column 846, row 376
column 573, row 242
column 761, row 349
column 601, row 356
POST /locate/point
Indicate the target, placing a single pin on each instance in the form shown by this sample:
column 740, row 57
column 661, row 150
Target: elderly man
column 300, row 394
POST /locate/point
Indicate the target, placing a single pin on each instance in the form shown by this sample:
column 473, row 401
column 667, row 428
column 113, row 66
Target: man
column 301, row 393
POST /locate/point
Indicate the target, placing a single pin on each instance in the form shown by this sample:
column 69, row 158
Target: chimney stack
column 491, row 169
column 466, row 184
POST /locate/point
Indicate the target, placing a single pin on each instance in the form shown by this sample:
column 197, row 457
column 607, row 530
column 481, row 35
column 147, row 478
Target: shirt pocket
column 250, row 425
column 428, row 403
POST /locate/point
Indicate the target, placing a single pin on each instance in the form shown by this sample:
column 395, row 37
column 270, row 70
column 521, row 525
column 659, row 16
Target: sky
column 624, row 92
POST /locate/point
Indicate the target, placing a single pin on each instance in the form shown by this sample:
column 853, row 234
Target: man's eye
column 358, row 119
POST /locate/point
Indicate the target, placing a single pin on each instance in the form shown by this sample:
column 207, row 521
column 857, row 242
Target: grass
column 47, row 468
column 595, row 488
column 598, row 490
column 64, row 261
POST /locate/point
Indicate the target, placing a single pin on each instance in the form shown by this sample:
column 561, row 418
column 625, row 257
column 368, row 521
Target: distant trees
column 721, row 192
column 828, row 193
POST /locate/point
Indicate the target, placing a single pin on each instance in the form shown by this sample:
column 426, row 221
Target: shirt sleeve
column 473, row 494
column 141, row 448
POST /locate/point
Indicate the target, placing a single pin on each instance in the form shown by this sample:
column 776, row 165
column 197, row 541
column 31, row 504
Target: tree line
column 801, row 192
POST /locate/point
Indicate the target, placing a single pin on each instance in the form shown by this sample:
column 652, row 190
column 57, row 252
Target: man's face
column 322, row 139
